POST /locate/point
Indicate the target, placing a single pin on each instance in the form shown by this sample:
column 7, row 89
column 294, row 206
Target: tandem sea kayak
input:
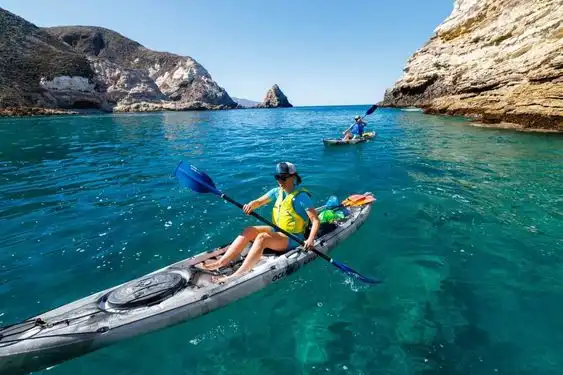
column 353, row 141
column 169, row 296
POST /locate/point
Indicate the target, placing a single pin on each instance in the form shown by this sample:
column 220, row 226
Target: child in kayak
column 356, row 130
column 293, row 209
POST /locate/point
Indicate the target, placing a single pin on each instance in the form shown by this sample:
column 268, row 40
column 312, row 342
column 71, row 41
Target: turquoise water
column 467, row 233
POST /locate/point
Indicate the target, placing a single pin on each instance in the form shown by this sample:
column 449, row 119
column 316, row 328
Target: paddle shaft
column 264, row 220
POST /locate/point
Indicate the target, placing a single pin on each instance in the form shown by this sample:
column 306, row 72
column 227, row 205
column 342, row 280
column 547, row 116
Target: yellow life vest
column 284, row 214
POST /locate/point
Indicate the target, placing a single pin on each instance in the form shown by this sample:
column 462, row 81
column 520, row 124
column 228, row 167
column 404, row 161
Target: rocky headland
column 499, row 62
column 61, row 70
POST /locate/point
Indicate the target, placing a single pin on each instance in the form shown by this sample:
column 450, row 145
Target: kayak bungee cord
column 39, row 322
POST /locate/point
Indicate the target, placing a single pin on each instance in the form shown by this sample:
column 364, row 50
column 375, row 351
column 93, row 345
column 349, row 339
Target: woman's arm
column 252, row 205
column 316, row 223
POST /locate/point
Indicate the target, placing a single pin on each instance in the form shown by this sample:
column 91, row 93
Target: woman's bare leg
column 272, row 240
column 237, row 246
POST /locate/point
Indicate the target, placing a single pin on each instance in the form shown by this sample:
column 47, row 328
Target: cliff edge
column 497, row 61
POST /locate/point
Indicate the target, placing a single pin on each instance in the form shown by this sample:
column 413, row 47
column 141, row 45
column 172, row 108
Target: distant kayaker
column 293, row 210
column 356, row 130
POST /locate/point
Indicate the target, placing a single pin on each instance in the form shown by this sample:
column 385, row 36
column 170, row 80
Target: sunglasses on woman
column 282, row 177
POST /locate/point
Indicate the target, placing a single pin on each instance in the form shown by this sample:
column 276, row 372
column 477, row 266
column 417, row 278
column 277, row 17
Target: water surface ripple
column 467, row 233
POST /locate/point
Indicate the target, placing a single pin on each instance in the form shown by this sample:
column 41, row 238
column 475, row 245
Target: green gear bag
column 329, row 216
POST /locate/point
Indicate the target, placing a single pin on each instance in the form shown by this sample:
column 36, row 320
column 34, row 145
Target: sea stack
column 497, row 61
column 275, row 98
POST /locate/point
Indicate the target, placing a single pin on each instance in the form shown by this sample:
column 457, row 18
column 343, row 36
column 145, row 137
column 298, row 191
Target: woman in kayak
column 293, row 209
column 356, row 130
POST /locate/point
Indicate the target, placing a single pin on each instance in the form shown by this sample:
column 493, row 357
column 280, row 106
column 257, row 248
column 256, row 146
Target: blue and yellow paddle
column 198, row 181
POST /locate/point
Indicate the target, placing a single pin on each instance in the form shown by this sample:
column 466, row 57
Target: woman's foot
column 224, row 279
column 210, row 265
column 220, row 279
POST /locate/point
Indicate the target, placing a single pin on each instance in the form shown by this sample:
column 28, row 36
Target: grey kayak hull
column 94, row 322
column 353, row 141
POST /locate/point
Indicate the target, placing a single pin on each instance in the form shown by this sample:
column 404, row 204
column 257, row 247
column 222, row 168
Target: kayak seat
column 324, row 228
column 270, row 252
column 223, row 271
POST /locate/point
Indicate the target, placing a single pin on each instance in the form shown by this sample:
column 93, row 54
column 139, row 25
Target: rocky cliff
column 181, row 82
column 77, row 67
column 498, row 61
column 275, row 98
column 31, row 60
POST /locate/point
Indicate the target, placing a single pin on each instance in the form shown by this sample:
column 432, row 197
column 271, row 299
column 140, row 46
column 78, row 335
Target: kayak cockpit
column 147, row 291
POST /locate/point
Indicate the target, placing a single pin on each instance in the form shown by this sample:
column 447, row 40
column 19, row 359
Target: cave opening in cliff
column 84, row 104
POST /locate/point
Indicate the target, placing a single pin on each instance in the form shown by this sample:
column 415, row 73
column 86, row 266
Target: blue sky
column 319, row 52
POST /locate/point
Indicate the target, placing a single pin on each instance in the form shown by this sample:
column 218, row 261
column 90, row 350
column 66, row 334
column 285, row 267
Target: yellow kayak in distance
column 366, row 137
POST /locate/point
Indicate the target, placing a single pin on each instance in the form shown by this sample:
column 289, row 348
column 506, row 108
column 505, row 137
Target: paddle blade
column 198, row 181
column 351, row 272
column 371, row 109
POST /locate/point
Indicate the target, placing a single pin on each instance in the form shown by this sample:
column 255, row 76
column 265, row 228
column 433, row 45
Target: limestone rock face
column 124, row 85
column 498, row 61
column 37, row 70
column 180, row 78
column 73, row 92
column 275, row 98
column 165, row 105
